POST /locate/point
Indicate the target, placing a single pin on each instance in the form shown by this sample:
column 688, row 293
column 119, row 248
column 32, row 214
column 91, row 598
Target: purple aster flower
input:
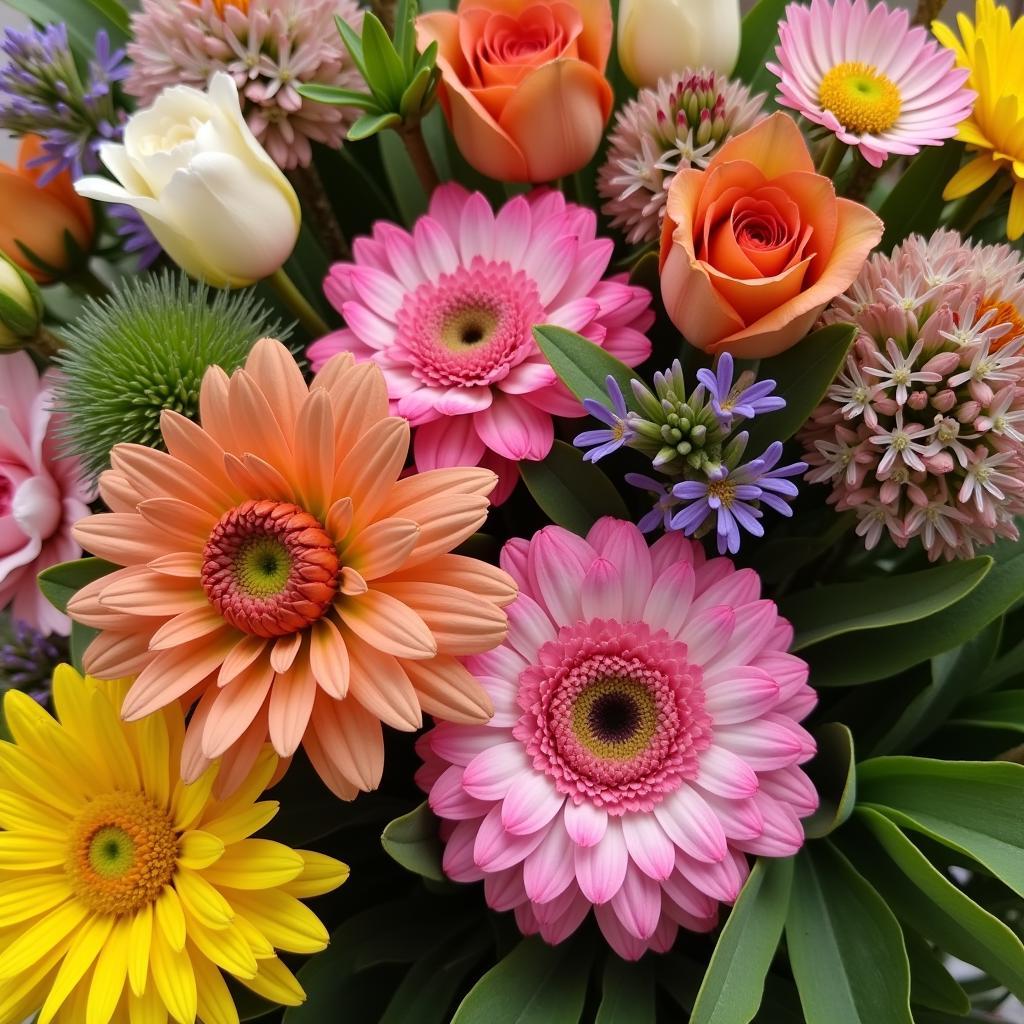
column 731, row 497
column 746, row 398
column 28, row 658
column 43, row 92
column 618, row 433
column 665, row 502
column 135, row 236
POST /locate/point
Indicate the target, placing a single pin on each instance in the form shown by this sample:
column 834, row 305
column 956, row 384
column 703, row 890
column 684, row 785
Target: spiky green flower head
column 145, row 349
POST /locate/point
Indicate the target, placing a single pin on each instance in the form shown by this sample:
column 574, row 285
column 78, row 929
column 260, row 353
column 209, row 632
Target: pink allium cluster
column 448, row 310
column 679, row 123
column 922, row 434
column 645, row 739
column 269, row 47
column 41, row 494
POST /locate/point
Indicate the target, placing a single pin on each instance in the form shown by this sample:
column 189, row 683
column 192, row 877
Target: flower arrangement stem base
column 422, row 161
column 287, row 292
column 310, row 187
column 831, row 158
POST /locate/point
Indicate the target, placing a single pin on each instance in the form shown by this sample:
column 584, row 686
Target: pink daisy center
column 614, row 714
column 469, row 327
column 270, row 568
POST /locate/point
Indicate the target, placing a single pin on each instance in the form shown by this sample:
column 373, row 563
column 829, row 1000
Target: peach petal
column 328, row 658
column 725, row 182
column 359, row 397
column 193, row 761
column 352, row 738
column 445, row 524
column 235, row 707
column 148, row 593
column 157, row 474
column 291, row 704
column 179, row 519
column 86, row 607
column 187, row 626
column 122, row 537
column 486, row 581
column 379, row 683
column 693, row 303
column 775, row 145
column 276, row 373
column 240, row 657
column 114, row 655
column 237, row 764
column 284, row 651
column 448, row 690
column 372, row 466
column 188, row 442
column 387, row 624
column 314, row 451
column 326, row 765
column 816, row 198
column 352, row 583
column 339, row 518
column 411, row 491
column 759, row 297
column 181, row 563
column 255, row 421
column 214, row 411
column 118, row 493
column 255, row 476
column 381, row 548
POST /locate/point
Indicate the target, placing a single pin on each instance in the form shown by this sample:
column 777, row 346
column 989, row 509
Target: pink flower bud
column 968, row 412
column 918, row 400
column 944, row 400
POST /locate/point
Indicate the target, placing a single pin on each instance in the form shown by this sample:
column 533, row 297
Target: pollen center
column 270, row 568
column 123, row 851
column 863, row 100
column 615, row 718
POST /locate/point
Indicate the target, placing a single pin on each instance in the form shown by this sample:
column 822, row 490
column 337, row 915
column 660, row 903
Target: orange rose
column 38, row 217
column 523, row 83
column 754, row 247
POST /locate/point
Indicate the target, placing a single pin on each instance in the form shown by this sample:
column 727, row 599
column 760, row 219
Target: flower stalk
column 287, row 291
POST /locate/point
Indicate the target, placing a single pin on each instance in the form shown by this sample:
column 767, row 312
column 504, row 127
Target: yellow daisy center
column 123, row 851
column 863, row 99
column 615, row 719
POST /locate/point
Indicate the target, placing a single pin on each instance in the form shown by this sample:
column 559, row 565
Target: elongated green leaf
column 759, row 37
column 845, row 946
column 116, row 13
column 915, row 202
column 834, row 776
column 61, row 582
column 337, row 97
column 405, row 32
column 930, row 903
column 970, row 806
column 627, row 993
column 83, row 19
column 734, row 984
column 371, row 124
column 353, row 44
column 426, row 992
column 583, row 366
column 824, row 612
column 803, row 375
column 931, row 984
column 1002, row 710
column 412, row 841
column 1003, row 669
column 534, row 984
column 81, row 637
column 572, row 493
column 385, row 73
column 848, row 660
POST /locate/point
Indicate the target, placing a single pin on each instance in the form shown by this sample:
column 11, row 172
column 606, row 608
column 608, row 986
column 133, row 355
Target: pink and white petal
column 601, row 869
column 649, row 846
column 692, row 825
column 626, row 548
column 448, row 442
column 515, row 429
column 628, row 946
column 791, row 786
column 601, row 593
column 495, row 849
column 738, row 695
column 725, row 773
column 585, row 823
column 687, row 896
column 490, row 775
column 762, row 743
column 530, row 804
column 459, row 744
column 529, row 626
column 721, row 880
column 458, row 862
column 476, row 229
column 781, row 835
column 637, row 904
column 708, row 634
column 741, row 819
column 549, row 870
column 557, row 928
column 528, row 376
column 557, row 569
column 668, row 604
column 503, row 890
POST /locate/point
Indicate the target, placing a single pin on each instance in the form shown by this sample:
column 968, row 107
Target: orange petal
column 86, row 607
column 118, row 493
column 351, row 583
column 239, row 760
column 150, row 593
column 326, row 765
column 234, row 707
column 156, row 474
column 314, row 452
column 380, row 684
column 445, row 523
column 291, row 703
column 758, row 297
column 359, row 397
column 371, row 468
column 275, row 371
column 328, row 658
column 775, row 145
column 381, row 548
column 255, row 424
column 255, row 476
column 436, row 483
column 485, row 581
column 339, row 519
column 353, row 738
column 816, row 198
column 114, row 655
column 693, row 303
column 181, row 563
column 188, row 442
column 179, row 519
column 186, row 627
column 214, row 412
column 124, row 538
column 448, row 690
column 284, row 650
column 387, row 625
column 240, row 657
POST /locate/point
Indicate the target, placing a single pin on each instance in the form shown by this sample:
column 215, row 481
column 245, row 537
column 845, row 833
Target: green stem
column 965, row 219
column 325, row 226
column 286, row 291
column 46, row 344
column 832, row 158
column 422, row 161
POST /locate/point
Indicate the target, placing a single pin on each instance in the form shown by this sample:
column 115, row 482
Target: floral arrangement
column 510, row 512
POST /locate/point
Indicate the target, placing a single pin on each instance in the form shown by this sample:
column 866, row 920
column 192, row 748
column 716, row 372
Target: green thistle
column 145, row 349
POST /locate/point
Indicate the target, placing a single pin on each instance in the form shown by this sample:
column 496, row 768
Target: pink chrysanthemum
column 865, row 75
column 680, row 123
column 447, row 312
column 922, row 434
column 268, row 47
column 645, row 739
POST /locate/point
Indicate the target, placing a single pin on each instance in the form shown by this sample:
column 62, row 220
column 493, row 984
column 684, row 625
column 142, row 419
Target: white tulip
column 216, row 202
column 660, row 37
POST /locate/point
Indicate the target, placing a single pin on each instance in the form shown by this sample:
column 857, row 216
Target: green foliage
column 143, row 350
column 915, row 202
column 413, row 842
column 61, row 582
column 759, row 38
column 834, row 775
column 582, row 366
column 84, row 18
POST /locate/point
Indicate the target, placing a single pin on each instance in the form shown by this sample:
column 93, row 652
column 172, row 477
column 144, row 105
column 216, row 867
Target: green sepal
column 370, row 124
column 418, row 96
column 332, row 95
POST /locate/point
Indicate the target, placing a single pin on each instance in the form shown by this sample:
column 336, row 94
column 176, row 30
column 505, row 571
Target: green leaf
column 426, row 992
column 931, row 904
column 353, row 44
column 572, row 493
column 61, row 582
column 802, row 374
column 627, row 992
column 419, row 86
column 582, row 366
column 371, row 124
column 970, row 806
column 999, row 671
column 412, row 841
column 81, row 637
column 845, row 946
column 824, row 612
column 83, row 20
column 534, row 984
column 834, row 776
column 335, row 96
column 931, row 984
column 759, row 36
column 405, row 33
column 385, row 72
column 915, row 202
column 1002, row 710
column 848, row 660
column 734, row 984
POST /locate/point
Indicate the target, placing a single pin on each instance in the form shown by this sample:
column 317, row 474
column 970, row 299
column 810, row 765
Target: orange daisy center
column 123, row 852
column 1006, row 313
column 270, row 568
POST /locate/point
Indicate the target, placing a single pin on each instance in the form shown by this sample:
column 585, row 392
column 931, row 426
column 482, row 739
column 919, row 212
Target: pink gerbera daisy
column 645, row 739
column 447, row 312
column 869, row 77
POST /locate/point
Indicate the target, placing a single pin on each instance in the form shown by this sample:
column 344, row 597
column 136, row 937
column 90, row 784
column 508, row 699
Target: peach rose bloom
column 754, row 247
column 523, row 83
column 37, row 217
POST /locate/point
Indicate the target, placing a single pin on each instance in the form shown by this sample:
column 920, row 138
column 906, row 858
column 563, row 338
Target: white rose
column 219, row 206
column 660, row 37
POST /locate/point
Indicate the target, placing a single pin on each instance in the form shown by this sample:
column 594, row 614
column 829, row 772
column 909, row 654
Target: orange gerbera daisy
column 278, row 571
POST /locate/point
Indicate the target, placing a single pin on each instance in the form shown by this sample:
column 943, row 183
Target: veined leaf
column 582, row 366
column 337, row 97
column 1001, row 710
column 931, row 984
column 915, row 202
column 385, row 73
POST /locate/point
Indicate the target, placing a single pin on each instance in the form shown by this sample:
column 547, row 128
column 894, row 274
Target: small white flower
column 904, row 443
column 874, row 517
column 947, row 435
column 935, row 518
column 1000, row 418
column 853, row 392
column 984, row 481
column 898, row 370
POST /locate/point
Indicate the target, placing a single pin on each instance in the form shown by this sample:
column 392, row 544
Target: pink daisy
column 645, row 739
column 866, row 75
column 447, row 312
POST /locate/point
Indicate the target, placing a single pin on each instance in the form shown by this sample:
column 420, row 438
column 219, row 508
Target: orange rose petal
column 755, row 299
column 743, row 178
column 775, row 146
column 816, row 198
column 693, row 303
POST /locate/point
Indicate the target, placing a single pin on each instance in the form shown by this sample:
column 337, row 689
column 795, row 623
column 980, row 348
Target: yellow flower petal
column 80, row 957
column 258, row 942
column 1015, row 224
column 23, row 898
column 242, row 823
column 152, row 744
column 47, row 934
column 170, row 918
column 147, row 1008
column 21, row 814
column 23, row 771
column 227, row 948
column 255, row 864
column 320, row 874
column 138, row 952
column 111, row 744
column 189, row 800
column 250, row 790
column 286, row 923
column 970, row 177
column 174, row 979
column 276, row 983
column 201, row 900
column 199, row 849
column 109, row 976
column 20, row 997
column 20, row 851
column 215, row 1003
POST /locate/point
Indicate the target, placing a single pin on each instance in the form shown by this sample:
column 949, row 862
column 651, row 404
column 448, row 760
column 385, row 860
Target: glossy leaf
column 733, row 986
column 930, row 903
column 426, row 993
column 61, row 582
column 572, row 493
column 385, row 73
column 833, row 773
column 83, row 20
column 802, row 375
column 824, row 612
column 534, row 984
column 371, row 124
column 338, row 97
column 845, row 946
column 1001, row 710
column 627, row 992
column 970, row 806
column 582, row 366
column 759, row 37
column 413, row 842
column 915, row 202
column 931, row 984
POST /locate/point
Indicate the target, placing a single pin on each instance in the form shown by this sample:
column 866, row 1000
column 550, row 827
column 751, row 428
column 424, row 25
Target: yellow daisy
column 992, row 46
column 124, row 892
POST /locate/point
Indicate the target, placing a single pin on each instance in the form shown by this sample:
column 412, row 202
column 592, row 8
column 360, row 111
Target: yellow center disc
column 863, row 100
